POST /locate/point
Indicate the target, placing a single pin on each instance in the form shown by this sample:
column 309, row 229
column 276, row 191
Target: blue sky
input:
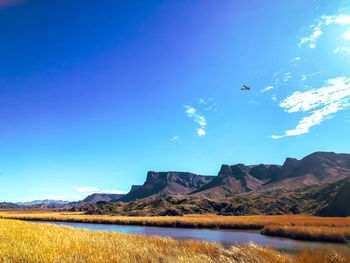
column 93, row 94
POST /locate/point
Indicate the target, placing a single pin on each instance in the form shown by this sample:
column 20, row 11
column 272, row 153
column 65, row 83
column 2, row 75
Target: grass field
column 28, row 242
column 292, row 226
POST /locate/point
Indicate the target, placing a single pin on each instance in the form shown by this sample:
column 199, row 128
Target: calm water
column 225, row 237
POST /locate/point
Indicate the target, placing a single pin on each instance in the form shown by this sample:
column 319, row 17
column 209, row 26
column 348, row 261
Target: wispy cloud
column 197, row 118
column 342, row 49
column 317, row 32
column 287, row 76
column 84, row 189
column 317, row 29
column 209, row 104
column 112, row 192
column 347, row 35
column 175, row 138
column 201, row 132
column 274, row 98
column 266, row 89
column 331, row 98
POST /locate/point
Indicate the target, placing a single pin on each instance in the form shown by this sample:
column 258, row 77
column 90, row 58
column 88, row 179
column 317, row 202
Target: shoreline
column 293, row 227
column 29, row 242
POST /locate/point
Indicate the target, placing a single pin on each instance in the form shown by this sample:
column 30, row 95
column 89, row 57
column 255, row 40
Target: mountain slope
column 339, row 205
column 167, row 183
column 315, row 169
column 309, row 200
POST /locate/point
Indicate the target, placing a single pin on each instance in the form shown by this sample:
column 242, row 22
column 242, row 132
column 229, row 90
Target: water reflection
column 225, row 237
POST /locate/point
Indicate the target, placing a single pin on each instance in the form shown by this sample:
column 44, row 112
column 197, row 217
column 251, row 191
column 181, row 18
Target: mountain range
column 315, row 169
column 323, row 174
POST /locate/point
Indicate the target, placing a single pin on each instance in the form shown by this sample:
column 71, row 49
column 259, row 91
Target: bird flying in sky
column 245, row 88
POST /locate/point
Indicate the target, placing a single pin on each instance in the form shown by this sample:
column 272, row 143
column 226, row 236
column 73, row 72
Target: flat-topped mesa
column 237, row 170
column 135, row 187
column 265, row 172
column 291, row 163
column 260, row 171
column 324, row 167
column 314, row 169
column 167, row 183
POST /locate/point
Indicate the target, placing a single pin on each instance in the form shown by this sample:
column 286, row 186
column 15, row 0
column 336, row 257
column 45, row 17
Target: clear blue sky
column 93, row 94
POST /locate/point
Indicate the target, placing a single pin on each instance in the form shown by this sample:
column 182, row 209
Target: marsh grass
column 335, row 229
column 316, row 233
column 28, row 242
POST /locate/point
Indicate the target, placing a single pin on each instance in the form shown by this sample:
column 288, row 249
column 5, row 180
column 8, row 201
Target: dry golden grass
column 316, row 233
column 28, row 242
column 313, row 228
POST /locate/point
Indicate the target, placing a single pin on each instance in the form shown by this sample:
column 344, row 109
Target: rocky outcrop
column 315, row 169
column 167, row 183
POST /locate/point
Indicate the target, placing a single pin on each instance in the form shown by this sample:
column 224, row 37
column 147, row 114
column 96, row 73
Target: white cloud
column 85, row 189
column 347, row 35
column 287, row 76
column 331, row 98
column 324, row 21
column 317, row 32
column 266, row 89
column 111, row 192
column 339, row 19
column 274, row 98
column 209, row 104
column 201, row 132
column 57, row 197
column 96, row 190
column 303, row 77
column 296, row 59
column 344, row 49
column 197, row 118
column 175, row 138
column 202, row 101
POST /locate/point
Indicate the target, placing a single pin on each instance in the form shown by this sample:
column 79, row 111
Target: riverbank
column 29, row 242
column 293, row 226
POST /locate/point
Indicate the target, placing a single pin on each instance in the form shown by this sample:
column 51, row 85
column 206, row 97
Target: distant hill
column 43, row 202
column 167, row 183
column 97, row 197
column 8, row 205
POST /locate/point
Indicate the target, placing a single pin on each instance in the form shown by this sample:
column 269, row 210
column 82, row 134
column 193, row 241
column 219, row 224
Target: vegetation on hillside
column 309, row 200
column 28, row 242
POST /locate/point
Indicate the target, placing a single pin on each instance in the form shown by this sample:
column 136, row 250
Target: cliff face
column 315, row 169
column 167, row 183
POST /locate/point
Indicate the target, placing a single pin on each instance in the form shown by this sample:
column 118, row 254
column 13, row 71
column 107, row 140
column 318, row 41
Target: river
column 224, row 237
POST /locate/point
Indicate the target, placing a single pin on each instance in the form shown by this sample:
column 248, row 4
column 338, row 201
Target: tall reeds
column 38, row 243
column 292, row 226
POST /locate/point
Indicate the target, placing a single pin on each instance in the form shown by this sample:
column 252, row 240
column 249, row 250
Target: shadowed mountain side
column 315, row 169
column 167, row 183
column 97, row 197
column 308, row 200
column 339, row 205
